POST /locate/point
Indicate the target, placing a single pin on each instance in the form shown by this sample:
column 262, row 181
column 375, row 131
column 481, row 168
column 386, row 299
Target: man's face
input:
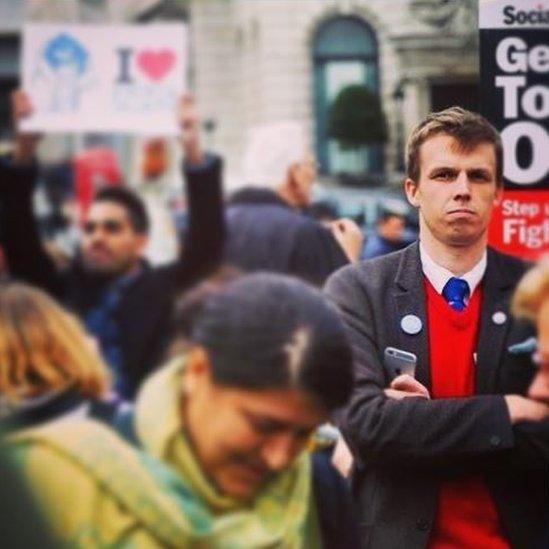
column 539, row 389
column 392, row 228
column 243, row 438
column 456, row 191
column 110, row 245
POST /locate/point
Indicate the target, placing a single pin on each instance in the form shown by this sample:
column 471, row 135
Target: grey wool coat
column 404, row 449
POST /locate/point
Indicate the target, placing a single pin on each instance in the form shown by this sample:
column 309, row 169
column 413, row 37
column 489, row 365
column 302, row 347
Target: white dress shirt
column 438, row 276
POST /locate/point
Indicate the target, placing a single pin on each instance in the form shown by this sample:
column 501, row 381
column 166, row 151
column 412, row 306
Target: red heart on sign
column 155, row 64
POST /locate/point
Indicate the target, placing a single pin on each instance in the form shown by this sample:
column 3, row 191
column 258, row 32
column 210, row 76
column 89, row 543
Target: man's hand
column 349, row 237
column 405, row 386
column 524, row 409
column 189, row 122
column 25, row 143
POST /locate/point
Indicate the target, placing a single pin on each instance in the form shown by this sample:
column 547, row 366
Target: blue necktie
column 455, row 291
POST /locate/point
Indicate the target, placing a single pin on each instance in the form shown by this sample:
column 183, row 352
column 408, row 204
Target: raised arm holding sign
column 124, row 302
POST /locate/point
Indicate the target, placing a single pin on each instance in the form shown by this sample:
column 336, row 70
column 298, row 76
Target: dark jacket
column 264, row 233
column 144, row 312
column 405, row 448
column 376, row 246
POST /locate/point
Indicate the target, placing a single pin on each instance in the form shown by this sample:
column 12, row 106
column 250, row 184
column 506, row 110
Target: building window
column 344, row 53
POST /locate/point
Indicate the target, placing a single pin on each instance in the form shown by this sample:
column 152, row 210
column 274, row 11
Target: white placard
column 104, row 78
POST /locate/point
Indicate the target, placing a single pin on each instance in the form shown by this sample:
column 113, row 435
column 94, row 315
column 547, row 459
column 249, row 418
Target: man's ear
column 142, row 241
column 293, row 185
column 410, row 188
column 293, row 176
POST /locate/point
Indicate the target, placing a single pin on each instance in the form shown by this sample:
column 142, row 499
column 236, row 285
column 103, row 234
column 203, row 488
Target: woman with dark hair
column 224, row 430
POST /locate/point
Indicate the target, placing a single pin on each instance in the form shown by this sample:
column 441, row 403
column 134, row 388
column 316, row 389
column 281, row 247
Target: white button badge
column 411, row 324
column 499, row 317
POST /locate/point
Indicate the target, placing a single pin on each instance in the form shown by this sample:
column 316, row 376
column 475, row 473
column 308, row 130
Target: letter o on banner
column 539, row 141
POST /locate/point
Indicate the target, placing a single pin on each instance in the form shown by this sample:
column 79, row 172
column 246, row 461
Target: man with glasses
column 124, row 302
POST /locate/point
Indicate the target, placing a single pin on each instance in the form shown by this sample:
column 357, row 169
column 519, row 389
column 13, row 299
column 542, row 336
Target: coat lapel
column 409, row 299
column 496, row 288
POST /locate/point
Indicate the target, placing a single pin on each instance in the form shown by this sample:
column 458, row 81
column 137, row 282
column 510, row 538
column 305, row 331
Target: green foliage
column 356, row 118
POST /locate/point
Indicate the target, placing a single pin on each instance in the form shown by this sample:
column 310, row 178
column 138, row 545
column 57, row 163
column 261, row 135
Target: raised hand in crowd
column 349, row 236
column 25, row 143
column 189, row 123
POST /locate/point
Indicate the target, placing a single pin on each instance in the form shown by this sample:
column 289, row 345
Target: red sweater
column 466, row 515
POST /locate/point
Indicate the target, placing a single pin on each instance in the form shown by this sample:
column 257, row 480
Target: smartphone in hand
column 399, row 362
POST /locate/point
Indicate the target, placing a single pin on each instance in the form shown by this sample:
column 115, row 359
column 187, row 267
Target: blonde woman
column 49, row 367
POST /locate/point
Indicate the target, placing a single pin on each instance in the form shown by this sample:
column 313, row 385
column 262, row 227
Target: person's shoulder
column 373, row 247
column 60, row 472
column 309, row 226
column 512, row 266
column 53, row 473
column 376, row 272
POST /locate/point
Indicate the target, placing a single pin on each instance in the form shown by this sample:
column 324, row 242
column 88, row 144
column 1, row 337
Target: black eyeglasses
column 111, row 226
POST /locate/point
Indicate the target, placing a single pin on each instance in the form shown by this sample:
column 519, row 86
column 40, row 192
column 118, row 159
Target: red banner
column 93, row 169
column 520, row 226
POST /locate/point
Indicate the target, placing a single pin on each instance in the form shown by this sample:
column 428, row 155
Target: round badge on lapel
column 499, row 317
column 411, row 324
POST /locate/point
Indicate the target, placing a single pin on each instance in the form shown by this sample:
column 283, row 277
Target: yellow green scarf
column 164, row 489
column 282, row 515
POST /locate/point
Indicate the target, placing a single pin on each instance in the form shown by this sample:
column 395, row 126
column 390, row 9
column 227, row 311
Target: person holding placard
column 125, row 303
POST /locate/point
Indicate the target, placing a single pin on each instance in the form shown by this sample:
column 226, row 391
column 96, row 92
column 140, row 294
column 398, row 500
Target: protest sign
column 104, row 78
column 514, row 55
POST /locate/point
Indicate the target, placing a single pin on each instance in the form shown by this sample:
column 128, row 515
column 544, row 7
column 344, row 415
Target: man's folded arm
column 412, row 431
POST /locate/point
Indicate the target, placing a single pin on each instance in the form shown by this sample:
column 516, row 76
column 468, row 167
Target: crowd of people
column 269, row 388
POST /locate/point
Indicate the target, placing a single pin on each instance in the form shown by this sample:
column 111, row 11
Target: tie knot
column 455, row 291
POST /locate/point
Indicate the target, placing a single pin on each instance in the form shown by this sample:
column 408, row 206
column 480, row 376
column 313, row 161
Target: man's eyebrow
column 486, row 171
column 442, row 169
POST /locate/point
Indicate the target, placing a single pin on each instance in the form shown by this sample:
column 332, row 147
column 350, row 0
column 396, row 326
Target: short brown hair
column 532, row 291
column 469, row 129
column 44, row 348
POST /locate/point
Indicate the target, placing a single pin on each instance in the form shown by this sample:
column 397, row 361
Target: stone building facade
column 260, row 61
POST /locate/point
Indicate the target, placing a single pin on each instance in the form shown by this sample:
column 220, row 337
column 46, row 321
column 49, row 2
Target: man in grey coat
column 454, row 456
column 265, row 225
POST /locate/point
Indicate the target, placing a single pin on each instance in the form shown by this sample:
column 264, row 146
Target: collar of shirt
column 438, row 276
